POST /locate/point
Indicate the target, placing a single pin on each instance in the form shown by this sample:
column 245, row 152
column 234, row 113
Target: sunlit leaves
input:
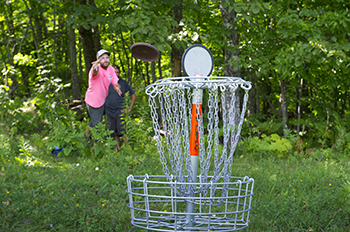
column 21, row 59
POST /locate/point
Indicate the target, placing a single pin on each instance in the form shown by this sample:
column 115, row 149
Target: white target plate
column 197, row 61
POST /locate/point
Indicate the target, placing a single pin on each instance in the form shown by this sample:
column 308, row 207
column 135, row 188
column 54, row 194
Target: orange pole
column 194, row 139
column 194, row 147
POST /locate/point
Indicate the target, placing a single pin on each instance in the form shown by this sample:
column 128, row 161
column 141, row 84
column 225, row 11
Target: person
column 101, row 75
column 115, row 108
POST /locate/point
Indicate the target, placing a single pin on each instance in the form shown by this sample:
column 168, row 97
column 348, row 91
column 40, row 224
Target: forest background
column 295, row 53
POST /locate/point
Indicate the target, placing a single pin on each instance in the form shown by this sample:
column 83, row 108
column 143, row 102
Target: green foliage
column 103, row 142
column 17, row 114
column 5, row 148
column 71, row 136
column 258, row 124
column 272, row 145
column 74, row 142
column 329, row 132
column 343, row 200
column 139, row 132
column 342, row 142
column 26, row 156
column 307, row 42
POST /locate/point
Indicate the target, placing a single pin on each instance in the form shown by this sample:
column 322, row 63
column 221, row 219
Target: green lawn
column 77, row 194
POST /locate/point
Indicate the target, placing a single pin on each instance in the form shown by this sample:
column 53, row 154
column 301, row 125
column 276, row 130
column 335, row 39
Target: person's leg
column 96, row 115
column 120, row 135
column 116, row 138
column 87, row 132
column 124, row 139
column 112, row 121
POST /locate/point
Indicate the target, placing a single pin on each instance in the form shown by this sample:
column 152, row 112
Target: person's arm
column 95, row 67
column 133, row 99
column 128, row 109
column 117, row 88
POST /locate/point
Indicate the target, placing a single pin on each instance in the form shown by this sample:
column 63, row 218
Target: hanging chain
column 173, row 100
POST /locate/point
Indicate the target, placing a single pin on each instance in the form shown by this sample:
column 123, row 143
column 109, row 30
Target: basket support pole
column 194, row 151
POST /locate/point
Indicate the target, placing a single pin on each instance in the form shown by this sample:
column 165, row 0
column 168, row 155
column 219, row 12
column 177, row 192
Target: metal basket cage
column 186, row 198
column 156, row 206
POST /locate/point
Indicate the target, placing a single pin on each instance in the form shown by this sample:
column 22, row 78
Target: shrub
column 272, row 145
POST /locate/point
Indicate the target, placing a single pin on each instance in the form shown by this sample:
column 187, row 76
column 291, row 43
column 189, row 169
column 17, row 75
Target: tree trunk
column 147, row 74
column 231, row 52
column 38, row 21
column 160, row 66
column 89, row 50
column 299, row 104
column 257, row 95
column 76, row 81
column 283, row 105
column 55, row 43
column 252, row 93
column 153, row 72
column 5, row 68
column 268, row 101
column 177, row 50
column 129, row 62
column 343, row 104
column 9, row 44
column 80, row 65
column 90, row 39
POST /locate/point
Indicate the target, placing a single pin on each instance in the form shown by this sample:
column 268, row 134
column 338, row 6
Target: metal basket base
column 158, row 205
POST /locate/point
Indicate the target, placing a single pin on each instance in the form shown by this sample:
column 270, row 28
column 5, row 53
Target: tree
column 177, row 49
column 295, row 53
column 76, row 79
column 231, row 52
column 88, row 33
column 9, row 44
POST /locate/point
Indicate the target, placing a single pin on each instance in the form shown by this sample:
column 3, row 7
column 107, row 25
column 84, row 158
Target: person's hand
column 119, row 91
column 95, row 65
column 117, row 88
column 126, row 110
column 97, row 62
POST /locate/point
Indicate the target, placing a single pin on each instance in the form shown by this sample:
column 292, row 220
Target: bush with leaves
column 269, row 145
column 256, row 125
column 74, row 142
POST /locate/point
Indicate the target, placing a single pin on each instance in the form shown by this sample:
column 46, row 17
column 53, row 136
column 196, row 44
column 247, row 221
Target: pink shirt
column 98, row 86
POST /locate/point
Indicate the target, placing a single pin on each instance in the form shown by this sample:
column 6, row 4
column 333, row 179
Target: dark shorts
column 96, row 115
column 116, row 124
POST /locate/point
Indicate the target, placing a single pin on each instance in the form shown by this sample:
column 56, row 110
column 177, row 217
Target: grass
column 80, row 194
column 302, row 196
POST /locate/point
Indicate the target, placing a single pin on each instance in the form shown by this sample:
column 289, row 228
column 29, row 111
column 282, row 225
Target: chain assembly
column 170, row 101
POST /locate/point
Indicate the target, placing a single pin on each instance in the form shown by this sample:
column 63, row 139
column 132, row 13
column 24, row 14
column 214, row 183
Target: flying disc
column 144, row 52
column 197, row 60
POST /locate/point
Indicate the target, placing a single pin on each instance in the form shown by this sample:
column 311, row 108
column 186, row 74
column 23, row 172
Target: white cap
column 101, row 52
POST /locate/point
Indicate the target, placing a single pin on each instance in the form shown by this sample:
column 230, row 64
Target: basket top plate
column 197, row 60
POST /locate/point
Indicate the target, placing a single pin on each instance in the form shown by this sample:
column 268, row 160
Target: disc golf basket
column 197, row 122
